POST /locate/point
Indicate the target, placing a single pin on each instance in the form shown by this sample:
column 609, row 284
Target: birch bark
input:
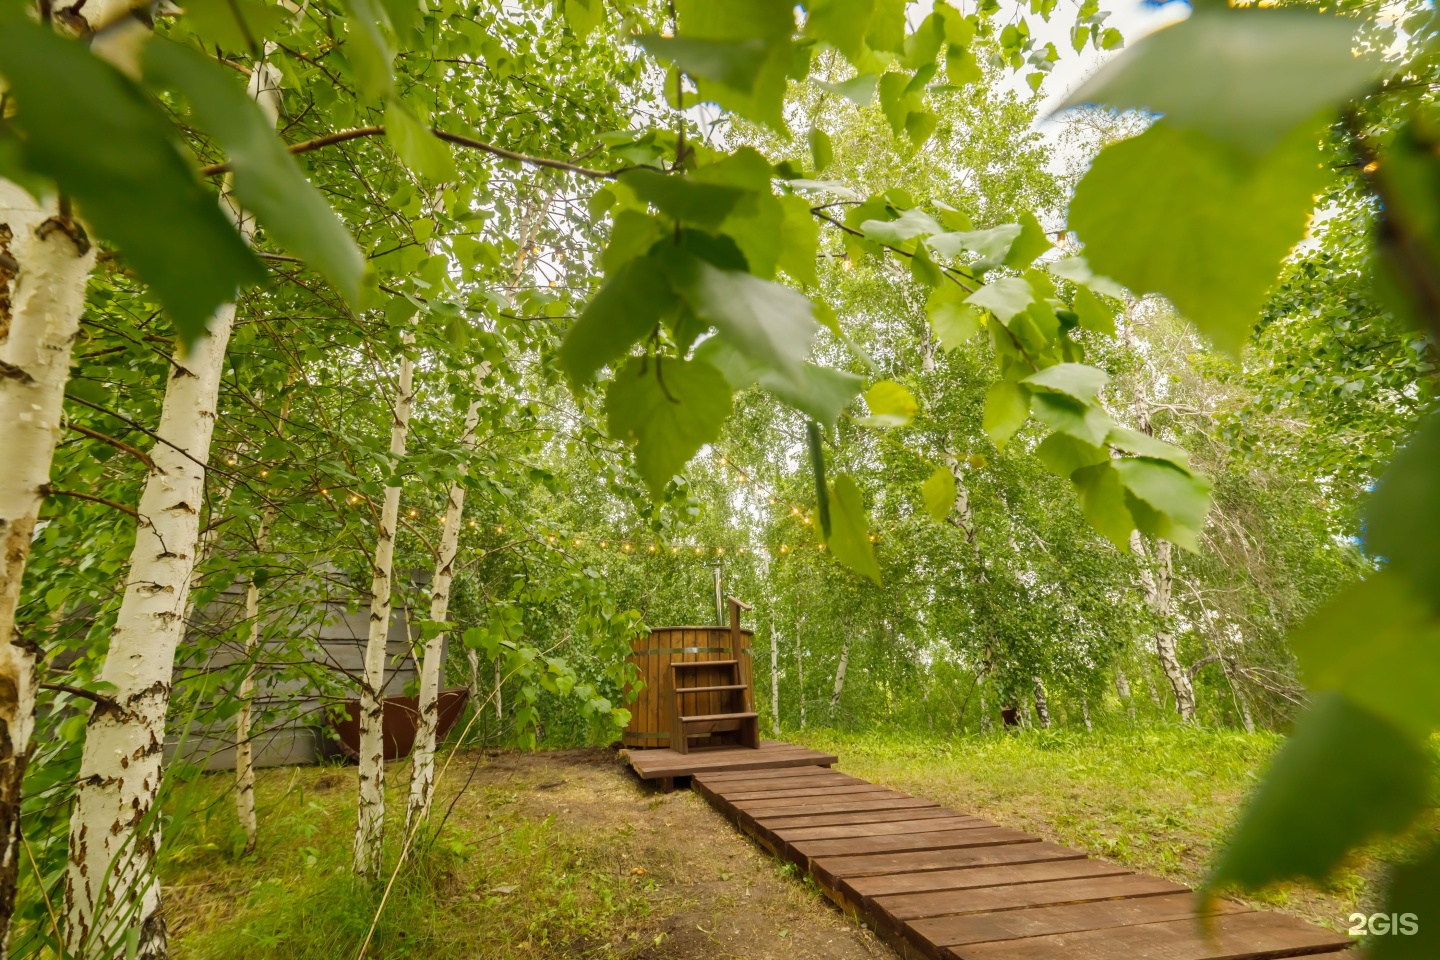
column 370, row 822
column 42, row 294
column 1042, row 706
column 244, row 746
column 774, row 675
column 840, row 677
column 1159, row 587
column 110, row 883
column 422, row 777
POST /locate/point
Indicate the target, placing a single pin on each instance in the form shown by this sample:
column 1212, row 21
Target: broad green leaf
column 954, row 218
column 887, row 26
column 1004, row 297
column 267, row 180
column 632, row 234
column 849, row 538
column 818, row 392
column 822, row 151
column 668, row 410
column 235, row 26
column 938, row 494
column 1402, row 520
column 731, row 63
column 952, row 320
column 1103, row 501
column 1077, row 380
column 584, row 16
column 367, row 50
column 919, row 126
column 799, row 240
column 1077, row 270
column 1345, row 776
column 1007, row 407
column 1092, row 313
column 111, row 149
column 1142, row 444
column 691, row 201
column 421, row 150
column 911, row 224
column 840, row 23
column 1414, row 890
column 891, row 405
column 770, row 323
column 1063, row 454
column 1081, row 419
column 1173, row 212
column 962, row 67
column 1379, row 644
column 859, row 90
column 628, row 307
column 1178, row 498
column 1247, row 76
column 732, row 76
column 993, row 244
column 1030, row 244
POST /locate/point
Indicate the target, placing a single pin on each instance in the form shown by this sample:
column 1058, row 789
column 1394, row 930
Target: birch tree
column 45, row 258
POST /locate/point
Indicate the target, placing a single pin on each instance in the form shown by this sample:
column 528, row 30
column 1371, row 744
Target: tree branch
column 90, row 695
column 121, row 445
column 50, row 491
column 356, row 133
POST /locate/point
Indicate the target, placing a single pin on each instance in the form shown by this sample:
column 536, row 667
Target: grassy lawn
column 1158, row 801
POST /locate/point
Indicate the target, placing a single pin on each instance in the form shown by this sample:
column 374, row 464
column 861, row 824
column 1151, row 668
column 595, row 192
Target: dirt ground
column 716, row 894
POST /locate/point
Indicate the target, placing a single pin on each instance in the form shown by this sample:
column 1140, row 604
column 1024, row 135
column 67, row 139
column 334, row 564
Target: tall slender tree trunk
column 1122, row 689
column 42, row 294
column 1158, row 584
column 1085, row 713
column 800, row 670
column 840, row 676
column 370, row 821
column 422, row 777
column 1042, row 706
column 244, row 744
column 774, row 675
column 110, row 883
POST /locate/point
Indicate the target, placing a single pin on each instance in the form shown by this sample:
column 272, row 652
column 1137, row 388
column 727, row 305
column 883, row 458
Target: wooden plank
column 720, row 778
column 664, row 762
column 743, row 789
column 761, row 810
column 899, row 843
column 830, row 870
column 916, row 906
column 1241, row 936
column 840, row 831
column 934, row 933
column 839, row 789
column 860, row 817
column 1040, row 871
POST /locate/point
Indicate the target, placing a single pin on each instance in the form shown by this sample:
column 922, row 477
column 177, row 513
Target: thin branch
column 51, row 491
column 90, row 695
column 121, row 445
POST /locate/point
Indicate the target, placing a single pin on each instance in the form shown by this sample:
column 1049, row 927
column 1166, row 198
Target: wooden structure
column 665, row 766
column 708, row 672
column 939, row 884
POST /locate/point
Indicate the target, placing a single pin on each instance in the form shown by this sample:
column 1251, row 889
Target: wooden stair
column 702, row 707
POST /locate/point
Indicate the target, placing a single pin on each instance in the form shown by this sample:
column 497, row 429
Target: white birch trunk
column 244, row 746
column 774, row 676
column 499, row 693
column 960, row 515
column 422, row 777
column 1085, row 713
column 370, row 822
column 110, row 883
column 40, row 307
column 1042, row 706
column 840, row 677
column 1158, row 586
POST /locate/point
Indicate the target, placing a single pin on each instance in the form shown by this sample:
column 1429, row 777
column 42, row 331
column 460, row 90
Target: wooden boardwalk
column 941, row 885
column 665, row 765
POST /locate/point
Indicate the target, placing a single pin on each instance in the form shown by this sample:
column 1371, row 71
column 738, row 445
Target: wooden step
column 693, row 664
column 711, row 689
column 746, row 715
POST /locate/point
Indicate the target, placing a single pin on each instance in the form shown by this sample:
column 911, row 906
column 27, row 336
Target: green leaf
column 731, row 63
column 822, row 152
column 952, row 320
column 1079, row 418
column 859, row 90
column 818, row 392
column 267, row 180
column 1007, row 407
column 891, row 405
column 1246, row 76
column 1142, row 444
column 993, row 244
column 961, row 67
column 1077, row 270
column 235, row 26
column 1063, row 454
column 1414, row 890
column 1344, row 777
column 799, row 240
column 1093, row 313
column 887, row 26
column 691, row 201
column 667, row 422
column 1030, row 244
column 1004, row 298
column 632, row 234
column 367, row 50
column 420, row 150
column 1379, row 644
column 849, row 538
column 938, row 494
column 112, row 150
column 770, row 323
column 729, row 73
column 1174, row 212
column 840, row 23
column 911, row 223
column 584, row 16
column 1103, row 501
column 628, row 307
column 1402, row 520
column 1178, row 498
column 1077, row 380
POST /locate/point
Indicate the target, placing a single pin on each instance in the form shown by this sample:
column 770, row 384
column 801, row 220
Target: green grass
column 496, row 883
column 1159, row 801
